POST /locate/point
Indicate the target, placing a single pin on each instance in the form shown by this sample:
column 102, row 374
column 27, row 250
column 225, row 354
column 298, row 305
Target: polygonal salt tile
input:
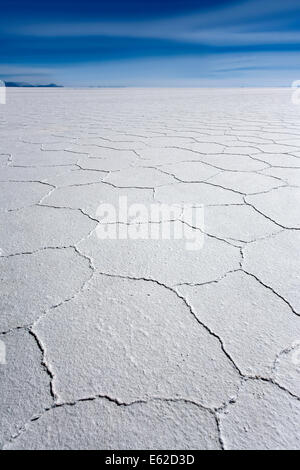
column 291, row 141
column 166, row 141
column 263, row 324
column 281, row 205
column 47, row 174
column 190, row 171
column 161, row 156
column 107, row 164
column 129, row 319
column 44, row 158
column 275, row 261
column 278, row 148
column 170, row 252
column 238, row 222
column 215, row 139
column 205, row 147
column 90, row 197
column 41, row 227
column 77, row 177
column 96, row 151
column 241, row 150
column 139, row 178
column 283, row 135
column 263, row 417
column 14, row 195
column 246, row 183
column 279, row 159
column 33, row 283
column 196, row 193
column 233, row 162
column 253, row 140
column 286, row 371
column 291, row 176
column 100, row 424
column 24, row 384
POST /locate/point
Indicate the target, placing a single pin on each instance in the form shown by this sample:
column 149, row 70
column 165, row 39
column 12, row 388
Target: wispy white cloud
column 247, row 23
column 230, row 30
column 233, row 69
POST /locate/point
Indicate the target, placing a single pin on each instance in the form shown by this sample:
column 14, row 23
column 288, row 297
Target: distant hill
column 29, row 85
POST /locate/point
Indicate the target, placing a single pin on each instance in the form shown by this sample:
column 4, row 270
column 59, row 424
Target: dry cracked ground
column 128, row 344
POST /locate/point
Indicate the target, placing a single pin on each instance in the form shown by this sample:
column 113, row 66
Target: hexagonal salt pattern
column 149, row 330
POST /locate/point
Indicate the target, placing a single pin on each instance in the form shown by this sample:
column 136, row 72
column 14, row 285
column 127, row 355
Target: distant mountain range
column 29, row 85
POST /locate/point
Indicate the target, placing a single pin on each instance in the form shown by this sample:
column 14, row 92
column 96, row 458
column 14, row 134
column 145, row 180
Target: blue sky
column 151, row 43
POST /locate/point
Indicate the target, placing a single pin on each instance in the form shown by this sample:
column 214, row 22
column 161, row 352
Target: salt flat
column 139, row 342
